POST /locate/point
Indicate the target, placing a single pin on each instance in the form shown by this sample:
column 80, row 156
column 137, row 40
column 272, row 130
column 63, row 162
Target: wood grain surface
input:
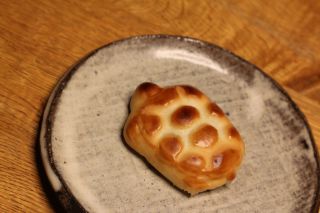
column 40, row 40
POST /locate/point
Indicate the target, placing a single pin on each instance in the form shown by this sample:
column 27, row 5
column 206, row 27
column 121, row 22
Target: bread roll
column 184, row 135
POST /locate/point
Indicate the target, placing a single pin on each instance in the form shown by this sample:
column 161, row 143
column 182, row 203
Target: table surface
column 40, row 40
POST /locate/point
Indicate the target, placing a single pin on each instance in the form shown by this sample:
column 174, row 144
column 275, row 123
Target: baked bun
column 184, row 135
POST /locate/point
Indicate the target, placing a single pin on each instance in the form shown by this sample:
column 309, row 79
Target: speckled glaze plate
column 92, row 170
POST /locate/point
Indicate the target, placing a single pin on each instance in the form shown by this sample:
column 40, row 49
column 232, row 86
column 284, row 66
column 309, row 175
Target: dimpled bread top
column 184, row 135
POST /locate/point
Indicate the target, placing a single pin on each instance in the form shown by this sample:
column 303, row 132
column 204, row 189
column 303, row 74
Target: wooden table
column 39, row 40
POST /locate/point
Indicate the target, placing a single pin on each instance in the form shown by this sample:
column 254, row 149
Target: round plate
column 92, row 169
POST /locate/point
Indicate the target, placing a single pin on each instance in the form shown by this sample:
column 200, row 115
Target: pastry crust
column 184, row 135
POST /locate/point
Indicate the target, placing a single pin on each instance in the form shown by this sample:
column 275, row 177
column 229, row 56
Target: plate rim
column 64, row 194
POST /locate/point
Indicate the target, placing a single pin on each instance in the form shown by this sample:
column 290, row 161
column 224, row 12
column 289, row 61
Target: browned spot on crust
column 189, row 90
column 165, row 96
column 151, row 123
column 193, row 163
column 149, row 89
column 170, row 147
column 205, row 136
column 214, row 109
column 225, row 161
column 234, row 134
column 184, row 116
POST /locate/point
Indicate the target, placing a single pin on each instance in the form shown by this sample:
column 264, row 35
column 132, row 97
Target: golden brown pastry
column 184, row 135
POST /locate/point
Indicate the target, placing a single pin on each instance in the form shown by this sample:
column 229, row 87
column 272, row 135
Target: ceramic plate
column 92, row 170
